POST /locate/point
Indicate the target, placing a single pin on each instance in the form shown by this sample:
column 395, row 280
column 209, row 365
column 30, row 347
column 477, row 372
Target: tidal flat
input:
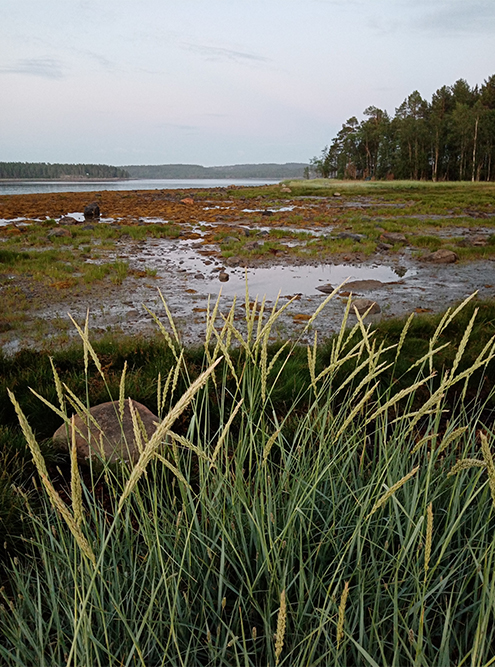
column 408, row 246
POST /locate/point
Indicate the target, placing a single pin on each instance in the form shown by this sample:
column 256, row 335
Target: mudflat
column 404, row 246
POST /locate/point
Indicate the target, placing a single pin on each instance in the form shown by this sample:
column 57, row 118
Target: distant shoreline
column 156, row 178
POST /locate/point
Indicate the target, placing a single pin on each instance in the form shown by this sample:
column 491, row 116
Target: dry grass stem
column 224, row 433
column 465, row 464
column 379, row 503
column 75, row 480
column 122, row 392
column 341, row 616
column 161, row 432
column 281, row 625
column 449, row 438
column 490, row 467
column 269, row 445
column 429, row 536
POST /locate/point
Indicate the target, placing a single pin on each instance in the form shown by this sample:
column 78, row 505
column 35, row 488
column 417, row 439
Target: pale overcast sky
column 218, row 82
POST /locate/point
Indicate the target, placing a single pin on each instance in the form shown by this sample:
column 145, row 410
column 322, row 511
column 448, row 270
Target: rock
column 442, row 256
column 348, row 235
column 199, row 276
column 363, row 305
column 326, row 289
column 384, row 246
column 223, row 277
column 285, row 189
column 230, row 239
column 252, row 245
column 92, row 210
column 363, row 285
column 187, row 200
column 58, row 232
column 393, row 237
column 67, row 220
column 232, row 261
column 337, row 194
column 118, row 440
column 267, row 213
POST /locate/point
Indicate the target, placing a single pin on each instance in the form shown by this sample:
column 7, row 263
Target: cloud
column 457, row 16
column 226, row 55
column 47, row 68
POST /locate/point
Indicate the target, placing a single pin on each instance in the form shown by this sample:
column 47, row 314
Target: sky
column 219, row 82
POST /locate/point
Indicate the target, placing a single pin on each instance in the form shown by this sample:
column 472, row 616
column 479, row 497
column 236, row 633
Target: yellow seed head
column 281, row 623
column 341, row 618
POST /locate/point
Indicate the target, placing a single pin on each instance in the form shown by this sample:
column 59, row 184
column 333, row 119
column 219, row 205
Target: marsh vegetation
column 323, row 504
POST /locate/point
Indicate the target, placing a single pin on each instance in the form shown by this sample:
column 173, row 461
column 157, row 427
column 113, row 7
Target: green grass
column 305, row 516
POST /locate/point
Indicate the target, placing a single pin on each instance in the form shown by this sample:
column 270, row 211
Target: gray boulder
column 117, row 438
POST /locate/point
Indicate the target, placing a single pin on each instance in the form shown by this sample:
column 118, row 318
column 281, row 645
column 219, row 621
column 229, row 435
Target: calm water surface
column 33, row 187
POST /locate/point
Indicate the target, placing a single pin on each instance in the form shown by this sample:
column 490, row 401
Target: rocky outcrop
column 112, row 440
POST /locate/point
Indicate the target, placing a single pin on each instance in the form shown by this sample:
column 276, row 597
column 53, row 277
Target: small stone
column 118, row 439
column 285, row 189
column 67, row 220
column 58, row 232
column 223, row 277
column 230, row 239
column 442, row 256
column 363, row 285
column 349, row 235
column 363, row 305
column 187, row 200
column 337, row 194
column 199, row 276
column 393, row 237
column 326, row 289
column 384, row 247
column 232, row 261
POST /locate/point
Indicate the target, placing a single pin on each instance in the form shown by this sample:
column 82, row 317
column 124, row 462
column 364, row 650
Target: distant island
column 82, row 172
column 265, row 170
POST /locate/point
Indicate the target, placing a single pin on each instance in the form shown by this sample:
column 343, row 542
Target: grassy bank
column 323, row 505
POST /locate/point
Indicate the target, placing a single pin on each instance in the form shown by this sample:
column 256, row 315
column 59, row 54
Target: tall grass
column 354, row 527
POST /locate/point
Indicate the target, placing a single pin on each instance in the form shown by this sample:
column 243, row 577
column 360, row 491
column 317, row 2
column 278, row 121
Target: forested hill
column 268, row 170
column 452, row 137
column 43, row 170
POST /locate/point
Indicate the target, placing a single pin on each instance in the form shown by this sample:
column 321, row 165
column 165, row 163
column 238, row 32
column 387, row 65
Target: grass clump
column 352, row 524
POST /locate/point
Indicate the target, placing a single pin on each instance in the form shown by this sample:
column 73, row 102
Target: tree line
column 265, row 170
column 44, row 170
column 450, row 138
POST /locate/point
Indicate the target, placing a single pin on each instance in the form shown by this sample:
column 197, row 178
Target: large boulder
column 117, row 438
column 92, row 210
